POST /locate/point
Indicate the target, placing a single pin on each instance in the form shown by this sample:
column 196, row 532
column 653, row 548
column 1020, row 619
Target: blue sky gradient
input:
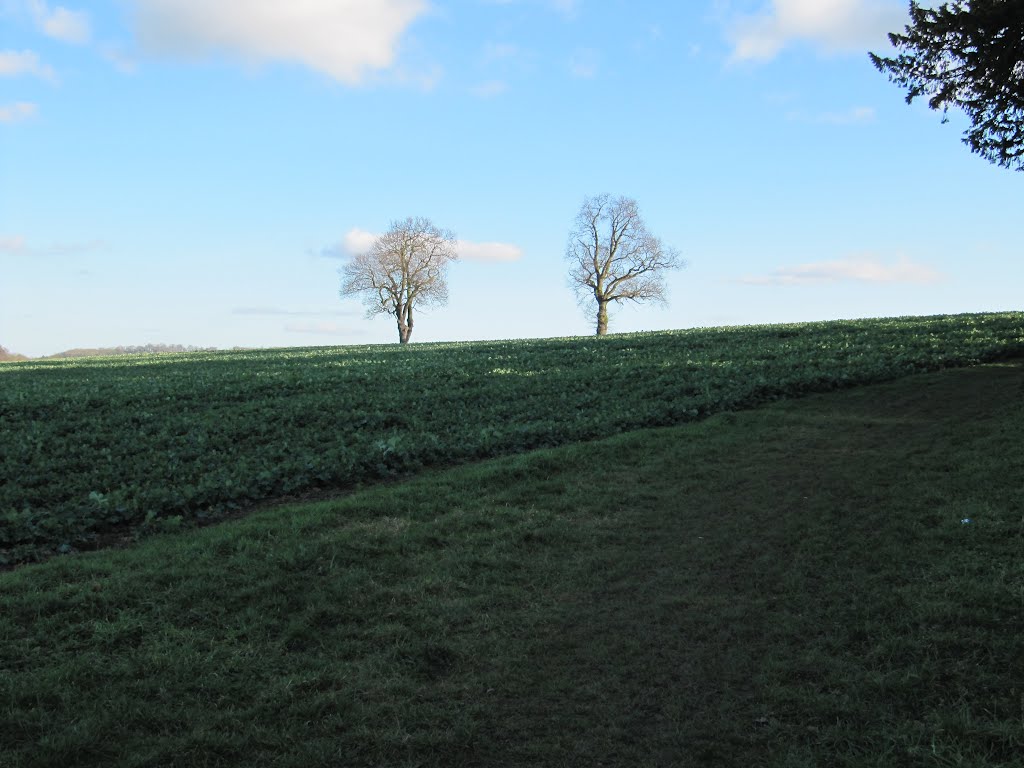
column 179, row 171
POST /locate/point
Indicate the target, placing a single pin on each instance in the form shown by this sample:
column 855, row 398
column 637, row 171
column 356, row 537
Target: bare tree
column 404, row 269
column 613, row 257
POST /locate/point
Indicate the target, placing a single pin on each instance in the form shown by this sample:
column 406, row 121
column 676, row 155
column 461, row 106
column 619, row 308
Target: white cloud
column 833, row 25
column 862, row 269
column 488, row 252
column 359, row 241
column 61, row 23
column 345, row 39
column 14, row 63
column 18, row 111
column 355, row 241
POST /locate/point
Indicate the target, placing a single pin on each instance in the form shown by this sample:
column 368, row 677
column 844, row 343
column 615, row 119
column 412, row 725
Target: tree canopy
column 967, row 54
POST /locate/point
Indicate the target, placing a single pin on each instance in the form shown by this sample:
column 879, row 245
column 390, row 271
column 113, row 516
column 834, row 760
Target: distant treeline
column 144, row 349
column 6, row 354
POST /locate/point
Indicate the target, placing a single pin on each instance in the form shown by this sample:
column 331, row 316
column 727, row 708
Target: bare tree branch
column 612, row 256
column 405, row 268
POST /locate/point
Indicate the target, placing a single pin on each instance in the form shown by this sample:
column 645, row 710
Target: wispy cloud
column 61, row 23
column 15, row 63
column 568, row 8
column 504, row 62
column 852, row 116
column 333, row 251
column 501, row 51
column 849, row 117
column 121, row 61
column 355, row 241
column 322, row 329
column 280, row 312
column 424, row 79
column 18, row 111
column 489, row 89
column 830, row 25
column 18, row 246
column 12, row 245
column 344, row 39
column 488, row 252
column 358, row 240
column 858, row 269
column 583, row 63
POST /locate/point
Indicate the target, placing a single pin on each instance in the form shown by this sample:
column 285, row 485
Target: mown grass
column 788, row 586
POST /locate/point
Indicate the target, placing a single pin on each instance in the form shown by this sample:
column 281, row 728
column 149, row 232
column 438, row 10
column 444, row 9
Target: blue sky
column 181, row 171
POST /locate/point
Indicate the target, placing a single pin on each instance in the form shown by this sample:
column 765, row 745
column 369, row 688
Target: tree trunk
column 602, row 318
column 408, row 322
column 404, row 315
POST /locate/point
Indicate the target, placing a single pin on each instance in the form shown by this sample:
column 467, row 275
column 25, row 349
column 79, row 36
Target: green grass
column 786, row 586
column 101, row 448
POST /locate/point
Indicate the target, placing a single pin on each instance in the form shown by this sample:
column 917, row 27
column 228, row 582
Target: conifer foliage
column 967, row 54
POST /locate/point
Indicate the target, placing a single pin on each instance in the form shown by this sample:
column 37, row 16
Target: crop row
column 91, row 446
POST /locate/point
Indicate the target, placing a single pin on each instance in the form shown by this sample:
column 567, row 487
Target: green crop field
column 831, row 580
column 97, row 448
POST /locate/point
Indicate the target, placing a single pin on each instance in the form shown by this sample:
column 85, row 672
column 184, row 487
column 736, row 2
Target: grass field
column 99, row 449
column 792, row 585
